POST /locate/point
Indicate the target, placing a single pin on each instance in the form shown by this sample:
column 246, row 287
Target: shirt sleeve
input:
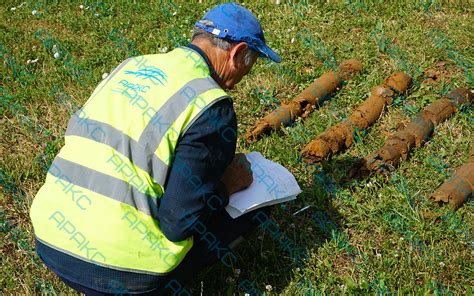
column 193, row 188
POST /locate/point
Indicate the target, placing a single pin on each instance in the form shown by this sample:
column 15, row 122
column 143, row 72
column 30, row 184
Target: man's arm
column 194, row 186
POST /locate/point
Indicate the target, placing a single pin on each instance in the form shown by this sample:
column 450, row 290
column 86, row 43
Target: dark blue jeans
column 211, row 245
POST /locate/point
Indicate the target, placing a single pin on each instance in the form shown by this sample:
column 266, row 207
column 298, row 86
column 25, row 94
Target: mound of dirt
column 441, row 71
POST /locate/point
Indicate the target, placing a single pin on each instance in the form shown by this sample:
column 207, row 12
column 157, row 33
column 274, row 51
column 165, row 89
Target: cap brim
column 267, row 52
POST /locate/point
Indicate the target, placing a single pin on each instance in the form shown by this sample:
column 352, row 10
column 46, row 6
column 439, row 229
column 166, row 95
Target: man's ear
column 237, row 54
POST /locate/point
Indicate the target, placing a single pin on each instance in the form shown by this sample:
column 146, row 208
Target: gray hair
column 250, row 54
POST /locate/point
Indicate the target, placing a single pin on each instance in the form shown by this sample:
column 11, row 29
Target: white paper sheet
column 272, row 184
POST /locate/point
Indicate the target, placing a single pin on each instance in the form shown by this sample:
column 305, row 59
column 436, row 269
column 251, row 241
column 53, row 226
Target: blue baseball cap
column 236, row 23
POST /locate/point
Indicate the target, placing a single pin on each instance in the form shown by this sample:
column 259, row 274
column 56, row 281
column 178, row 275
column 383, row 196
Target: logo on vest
column 151, row 73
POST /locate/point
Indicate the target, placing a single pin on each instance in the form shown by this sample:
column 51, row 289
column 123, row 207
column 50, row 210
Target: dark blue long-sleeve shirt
column 192, row 191
column 194, row 188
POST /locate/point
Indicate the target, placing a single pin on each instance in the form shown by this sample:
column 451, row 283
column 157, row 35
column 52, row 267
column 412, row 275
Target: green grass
column 381, row 235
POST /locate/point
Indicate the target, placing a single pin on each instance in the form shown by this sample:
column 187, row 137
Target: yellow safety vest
column 101, row 196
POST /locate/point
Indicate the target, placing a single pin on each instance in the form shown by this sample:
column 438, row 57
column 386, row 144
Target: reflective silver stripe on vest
column 106, row 185
column 163, row 119
column 106, row 134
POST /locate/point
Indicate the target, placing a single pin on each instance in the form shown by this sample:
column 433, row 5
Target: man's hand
column 238, row 174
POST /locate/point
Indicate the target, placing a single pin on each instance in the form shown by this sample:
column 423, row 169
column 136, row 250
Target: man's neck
column 214, row 56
